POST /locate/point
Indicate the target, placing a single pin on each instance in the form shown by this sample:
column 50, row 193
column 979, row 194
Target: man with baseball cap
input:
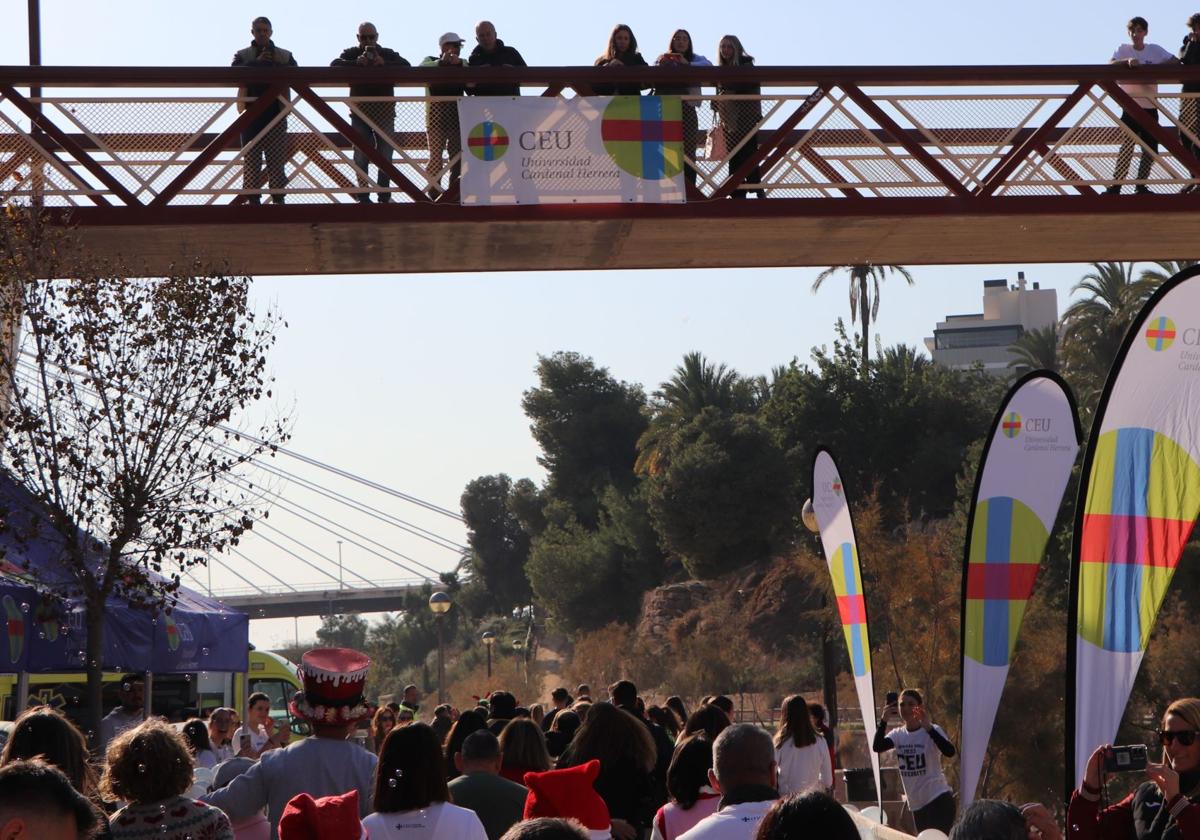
column 441, row 115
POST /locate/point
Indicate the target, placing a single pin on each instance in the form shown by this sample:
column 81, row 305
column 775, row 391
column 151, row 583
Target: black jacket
column 1189, row 53
column 629, row 59
column 498, row 57
column 349, row 58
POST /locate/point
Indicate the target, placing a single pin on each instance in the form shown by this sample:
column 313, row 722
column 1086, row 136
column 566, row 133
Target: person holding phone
column 1167, row 806
column 919, row 746
column 257, row 734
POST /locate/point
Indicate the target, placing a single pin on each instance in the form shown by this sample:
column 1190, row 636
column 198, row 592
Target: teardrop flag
column 1138, row 500
column 841, row 554
column 1022, row 475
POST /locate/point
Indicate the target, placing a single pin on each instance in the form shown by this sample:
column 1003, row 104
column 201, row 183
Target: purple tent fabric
column 198, row 634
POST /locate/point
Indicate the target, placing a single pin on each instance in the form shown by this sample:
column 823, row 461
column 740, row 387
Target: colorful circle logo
column 644, row 135
column 1011, row 425
column 1160, row 334
column 837, row 488
column 488, row 141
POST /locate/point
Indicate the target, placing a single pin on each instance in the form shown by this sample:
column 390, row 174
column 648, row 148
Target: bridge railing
column 159, row 137
column 319, row 586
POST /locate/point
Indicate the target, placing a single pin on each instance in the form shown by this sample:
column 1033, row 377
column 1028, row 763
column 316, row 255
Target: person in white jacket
column 802, row 755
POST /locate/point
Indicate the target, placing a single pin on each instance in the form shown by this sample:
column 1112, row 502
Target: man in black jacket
column 259, row 141
column 492, row 52
column 374, row 120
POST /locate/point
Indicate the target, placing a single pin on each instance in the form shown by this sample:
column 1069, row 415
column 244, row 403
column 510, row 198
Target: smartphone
column 892, row 698
column 245, row 739
column 1126, row 759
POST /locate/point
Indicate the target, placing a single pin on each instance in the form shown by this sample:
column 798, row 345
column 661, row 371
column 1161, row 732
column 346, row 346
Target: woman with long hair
column 468, row 722
column 802, row 757
column 665, row 718
column 410, row 788
column 692, row 798
column 381, row 724
column 523, row 747
column 675, row 702
column 625, row 748
column 739, row 117
column 195, row 734
column 1166, row 806
column 681, row 54
column 622, row 51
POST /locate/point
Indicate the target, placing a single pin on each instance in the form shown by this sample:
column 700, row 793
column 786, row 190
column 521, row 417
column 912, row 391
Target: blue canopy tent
column 196, row 633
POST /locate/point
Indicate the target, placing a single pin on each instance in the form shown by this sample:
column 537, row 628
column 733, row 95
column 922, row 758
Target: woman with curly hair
column 150, row 767
column 523, row 747
column 381, row 725
column 626, row 751
column 739, row 111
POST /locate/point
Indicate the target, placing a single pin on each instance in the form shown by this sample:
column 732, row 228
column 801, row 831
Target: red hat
column 327, row 818
column 334, row 679
column 568, row 793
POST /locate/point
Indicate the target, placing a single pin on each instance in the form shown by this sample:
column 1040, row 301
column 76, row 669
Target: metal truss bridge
column 902, row 165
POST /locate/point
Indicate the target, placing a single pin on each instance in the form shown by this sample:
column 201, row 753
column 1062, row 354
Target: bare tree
column 121, row 393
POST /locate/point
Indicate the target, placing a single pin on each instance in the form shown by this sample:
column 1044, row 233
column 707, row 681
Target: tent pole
column 149, row 701
column 22, row 694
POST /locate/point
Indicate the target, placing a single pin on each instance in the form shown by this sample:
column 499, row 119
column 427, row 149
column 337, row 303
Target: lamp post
column 489, row 639
column 439, row 603
column 809, row 516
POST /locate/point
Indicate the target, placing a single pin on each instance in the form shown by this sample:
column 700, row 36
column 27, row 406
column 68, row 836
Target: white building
column 962, row 340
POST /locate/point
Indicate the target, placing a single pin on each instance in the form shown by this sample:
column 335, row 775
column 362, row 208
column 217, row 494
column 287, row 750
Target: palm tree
column 1165, row 270
column 1094, row 327
column 696, row 385
column 864, row 293
column 1035, row 350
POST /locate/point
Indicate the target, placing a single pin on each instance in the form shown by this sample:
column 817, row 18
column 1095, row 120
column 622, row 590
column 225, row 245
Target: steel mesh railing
column 309, row 143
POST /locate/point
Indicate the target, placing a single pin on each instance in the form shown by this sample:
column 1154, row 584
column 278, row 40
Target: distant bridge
column 321, row 599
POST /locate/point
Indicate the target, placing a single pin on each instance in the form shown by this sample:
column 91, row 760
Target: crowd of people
column 733, row 135
column 263, row 136
column 584, row 766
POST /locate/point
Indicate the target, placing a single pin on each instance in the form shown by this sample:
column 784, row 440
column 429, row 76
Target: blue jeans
column 385, row 118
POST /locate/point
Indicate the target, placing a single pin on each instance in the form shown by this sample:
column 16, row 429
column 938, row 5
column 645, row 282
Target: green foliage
column 1035, row 350
column 349, row 631
column 725, row 494
column 587, row 425
column 864, row 292
column 904, row 425
column 499, row 544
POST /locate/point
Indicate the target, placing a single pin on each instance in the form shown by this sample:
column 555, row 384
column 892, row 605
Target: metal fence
column 167, row 137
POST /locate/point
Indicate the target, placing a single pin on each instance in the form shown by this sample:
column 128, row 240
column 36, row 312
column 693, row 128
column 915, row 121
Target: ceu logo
column 644, row 135
column 1160, row 334
column 488, row 141
column 1011, row 425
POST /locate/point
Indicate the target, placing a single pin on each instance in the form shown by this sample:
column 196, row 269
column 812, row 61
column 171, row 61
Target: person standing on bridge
column 492, row 52
column 1136, row 54
column 441, row 115
column 375, row 120
column 262, row 52
column 1189, row 105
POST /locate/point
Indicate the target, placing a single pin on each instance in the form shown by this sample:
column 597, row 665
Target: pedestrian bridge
column 903, row 165
column 321, row 599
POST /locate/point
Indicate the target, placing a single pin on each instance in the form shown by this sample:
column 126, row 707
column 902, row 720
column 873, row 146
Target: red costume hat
column 569, row 793
column 334, row 679
column 327, row 818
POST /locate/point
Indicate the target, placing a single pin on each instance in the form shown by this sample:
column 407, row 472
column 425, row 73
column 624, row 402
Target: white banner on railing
column 595, row 149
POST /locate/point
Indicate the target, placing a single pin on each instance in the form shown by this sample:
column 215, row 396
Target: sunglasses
column 1186, row 737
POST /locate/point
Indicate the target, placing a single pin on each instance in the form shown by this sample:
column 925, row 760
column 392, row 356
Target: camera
column 369, row 51
column 1126, row 759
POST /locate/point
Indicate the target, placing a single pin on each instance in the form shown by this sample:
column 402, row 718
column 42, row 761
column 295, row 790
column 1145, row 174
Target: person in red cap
column 327, row 818
column 569, row 793
column 326, row 765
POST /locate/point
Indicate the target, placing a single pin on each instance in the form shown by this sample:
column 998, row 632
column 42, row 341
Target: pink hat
column 327, row 818
column 334, row 680
column 569, row 793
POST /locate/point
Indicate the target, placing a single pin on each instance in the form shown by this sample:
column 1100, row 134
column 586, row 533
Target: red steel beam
column 1020, row 151
column 1168, row 139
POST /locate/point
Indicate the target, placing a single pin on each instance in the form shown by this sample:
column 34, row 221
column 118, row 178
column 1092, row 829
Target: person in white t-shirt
column 745, row 775
column 411, row 798
column 919, row 746
column 1138, row 53
column 256, row 735
column 802, row 755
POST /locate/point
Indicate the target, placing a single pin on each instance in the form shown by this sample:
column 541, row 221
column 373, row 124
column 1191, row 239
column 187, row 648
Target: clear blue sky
column 415, row 380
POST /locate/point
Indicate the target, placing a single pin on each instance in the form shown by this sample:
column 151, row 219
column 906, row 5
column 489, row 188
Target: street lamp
column 518, row 646
column 439, row 604
column 809, row 516
column 489, row 639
